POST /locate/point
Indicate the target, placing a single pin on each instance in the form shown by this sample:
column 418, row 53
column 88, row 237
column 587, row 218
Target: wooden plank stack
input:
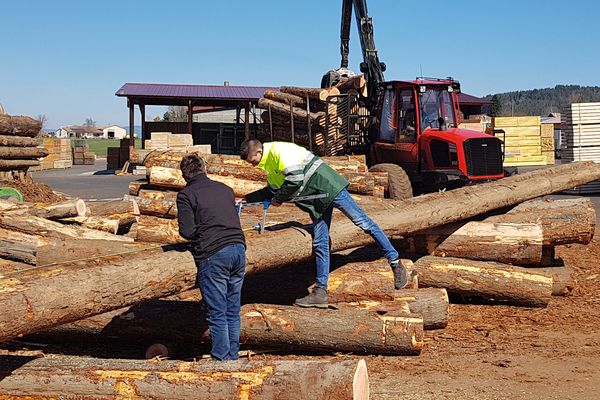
column 548, row 147
column 81, row 153
column 116, row 157
column 523, row 140
column 582, row 135
column 60, row 153
column 18, row 147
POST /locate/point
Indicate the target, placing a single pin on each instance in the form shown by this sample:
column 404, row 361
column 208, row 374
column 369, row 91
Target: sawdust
column 34, row 192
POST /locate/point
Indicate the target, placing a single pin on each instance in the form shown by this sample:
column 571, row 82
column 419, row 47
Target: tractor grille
column 483, row 156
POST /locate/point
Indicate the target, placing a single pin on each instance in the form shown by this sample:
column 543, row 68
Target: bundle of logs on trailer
column 313, row 117
column 471, row 254
column 156, row 195
column 18, row 147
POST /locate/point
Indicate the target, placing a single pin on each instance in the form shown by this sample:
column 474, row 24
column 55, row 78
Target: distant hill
column 544, row 101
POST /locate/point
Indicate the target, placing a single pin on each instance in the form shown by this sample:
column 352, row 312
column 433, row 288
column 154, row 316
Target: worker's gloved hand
column 267, row 204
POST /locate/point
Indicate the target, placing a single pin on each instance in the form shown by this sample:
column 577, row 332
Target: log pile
column 316, row 118
column 366, row 315
column 19, row 150
column 41, row 234
column 156, row 195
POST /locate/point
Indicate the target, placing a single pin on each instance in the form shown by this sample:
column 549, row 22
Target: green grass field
column 99, row 146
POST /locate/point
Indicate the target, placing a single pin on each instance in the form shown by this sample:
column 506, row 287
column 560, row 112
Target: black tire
column 399, row 185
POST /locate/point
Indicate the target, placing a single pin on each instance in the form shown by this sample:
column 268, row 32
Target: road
column 88, row 182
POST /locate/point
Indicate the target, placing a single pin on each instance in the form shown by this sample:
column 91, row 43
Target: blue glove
column 266, row 204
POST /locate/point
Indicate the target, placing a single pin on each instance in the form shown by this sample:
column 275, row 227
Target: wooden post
column 143, row 112
column 190, row 117
column 247, row 121
column 131, row 104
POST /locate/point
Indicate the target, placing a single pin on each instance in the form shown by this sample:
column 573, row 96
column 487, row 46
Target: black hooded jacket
column 207, row 216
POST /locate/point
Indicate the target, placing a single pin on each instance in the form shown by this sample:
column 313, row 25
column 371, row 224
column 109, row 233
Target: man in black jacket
column 207, row 217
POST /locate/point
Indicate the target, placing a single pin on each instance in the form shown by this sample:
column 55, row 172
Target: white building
column 114, row 132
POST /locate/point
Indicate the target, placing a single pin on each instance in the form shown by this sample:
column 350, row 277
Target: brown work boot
column 317, row 298
column 400, row 274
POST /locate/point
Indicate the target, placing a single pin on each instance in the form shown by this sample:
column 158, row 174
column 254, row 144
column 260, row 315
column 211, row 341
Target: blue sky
column 66, row 59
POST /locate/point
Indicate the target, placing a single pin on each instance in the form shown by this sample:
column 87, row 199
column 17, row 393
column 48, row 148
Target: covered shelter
column 197, row 99
column 471, row 105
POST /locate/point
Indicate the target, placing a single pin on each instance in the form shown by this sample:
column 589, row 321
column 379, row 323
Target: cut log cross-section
column 87, row 378
column 490, row 280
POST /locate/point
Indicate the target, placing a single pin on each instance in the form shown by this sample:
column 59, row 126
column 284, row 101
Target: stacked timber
column 582, row 136
column 82, row 154
column 316, row 118
column 548, row 146
column 116, row 157
column 522, row 140
column 18, row 147
column 60, row 153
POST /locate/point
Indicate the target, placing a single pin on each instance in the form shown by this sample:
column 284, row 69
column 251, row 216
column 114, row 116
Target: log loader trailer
column 411, row 129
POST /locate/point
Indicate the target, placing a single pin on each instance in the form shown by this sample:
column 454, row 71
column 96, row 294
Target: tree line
column 541, row 101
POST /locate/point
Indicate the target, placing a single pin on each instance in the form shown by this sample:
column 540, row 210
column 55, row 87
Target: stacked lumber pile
column 522, row 140
column 313, row 117
column 81, row 153
column 18, row 147
column 116, row 157
column 582, row 135
column 42, row 234
column 548, row 146
column 174, row 141
column 60, row 154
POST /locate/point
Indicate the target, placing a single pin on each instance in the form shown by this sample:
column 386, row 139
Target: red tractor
column 411, row 130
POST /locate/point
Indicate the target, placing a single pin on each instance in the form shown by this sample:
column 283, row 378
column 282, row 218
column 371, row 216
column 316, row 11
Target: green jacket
column 294, row 172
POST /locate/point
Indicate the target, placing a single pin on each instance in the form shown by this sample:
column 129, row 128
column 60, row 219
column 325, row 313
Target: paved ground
column 86, row 181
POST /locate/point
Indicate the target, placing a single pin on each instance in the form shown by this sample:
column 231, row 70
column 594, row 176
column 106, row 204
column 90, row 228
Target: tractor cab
column 416, row 128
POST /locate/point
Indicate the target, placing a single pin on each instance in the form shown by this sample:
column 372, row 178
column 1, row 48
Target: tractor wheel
column 399, row 187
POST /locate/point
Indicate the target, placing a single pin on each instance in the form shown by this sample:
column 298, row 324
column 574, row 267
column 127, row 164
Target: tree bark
column 489, row 280
column 92, row 378
column 18, row 141
column 19, row 125
column 21, row 153
column 284, row 109
column 44, row 227
column 344, row 329
column 348, row 328
column 163, row 195
column 312, row 93
column 519, row 244
column 563, row 221
column 158, row 230
column 9, row 165
column 64, row 209
column 108, row 208
column 105, row 224
column 172, row 178
column 156, row 207
column 161, row 274
column 286, row 98
column 375, row 282
column 41, row 250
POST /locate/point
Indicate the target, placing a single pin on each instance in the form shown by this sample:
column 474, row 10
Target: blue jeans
column 220, row 278
column 346, row 204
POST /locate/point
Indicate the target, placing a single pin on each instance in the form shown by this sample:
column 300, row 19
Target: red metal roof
column 467, row 99
column 192, row 91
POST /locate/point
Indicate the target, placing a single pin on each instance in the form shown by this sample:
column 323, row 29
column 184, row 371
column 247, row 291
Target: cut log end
column 360, row 383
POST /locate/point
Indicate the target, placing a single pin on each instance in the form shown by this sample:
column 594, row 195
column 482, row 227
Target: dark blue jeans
column 346, row 204
column 220, row 278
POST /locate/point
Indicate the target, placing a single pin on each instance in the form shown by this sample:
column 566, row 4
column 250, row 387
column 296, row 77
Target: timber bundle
column 312, row 117
column 19, row 150
column 461, row 252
